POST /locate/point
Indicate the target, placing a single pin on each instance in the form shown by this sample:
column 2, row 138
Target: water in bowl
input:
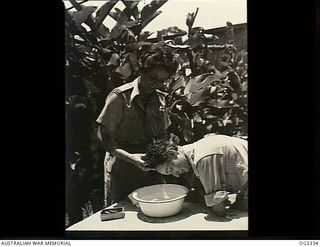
column 159, row 196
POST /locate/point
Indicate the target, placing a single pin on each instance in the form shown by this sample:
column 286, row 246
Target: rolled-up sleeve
column 212, row 178
column 109, row 118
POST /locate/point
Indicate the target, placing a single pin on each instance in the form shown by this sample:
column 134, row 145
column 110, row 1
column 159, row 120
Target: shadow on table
column 231, row 215
column 128, row 206
column 188, row 210
column 180, row 216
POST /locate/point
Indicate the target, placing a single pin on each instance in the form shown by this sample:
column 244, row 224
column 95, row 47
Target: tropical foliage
column 208, row 93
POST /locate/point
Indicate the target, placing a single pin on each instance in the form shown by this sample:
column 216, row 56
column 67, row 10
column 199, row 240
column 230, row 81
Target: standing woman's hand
column 136, row 159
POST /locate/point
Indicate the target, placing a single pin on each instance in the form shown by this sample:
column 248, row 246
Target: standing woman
column 133, row 115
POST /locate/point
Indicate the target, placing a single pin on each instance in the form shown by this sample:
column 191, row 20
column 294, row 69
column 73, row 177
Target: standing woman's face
column 154, row 79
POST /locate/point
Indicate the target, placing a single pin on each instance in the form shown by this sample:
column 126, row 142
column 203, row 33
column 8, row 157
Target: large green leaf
column 104, row 31
column 116, row 32
column 135, row 28
column 132, row 8
column 199, row 96
column 114, row 60
column 234, row 80
column 77, row 5
column 89, row 21
column 125, row 15
column 104, row 11
column 145, row 22
column 91, row 39
column 201, row 81
column 115, row 15
column 124, row 70
column 178, row 83
column 83, row 15
column 122, row 18
column 199, row 88
column 131, row 23
column 131, row 3
column 151, row 8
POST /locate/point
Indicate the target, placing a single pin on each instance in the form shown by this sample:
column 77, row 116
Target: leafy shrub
column 208, row 93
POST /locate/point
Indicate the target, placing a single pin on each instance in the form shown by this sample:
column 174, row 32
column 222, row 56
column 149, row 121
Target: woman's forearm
column 122, row 154
column 111, row 146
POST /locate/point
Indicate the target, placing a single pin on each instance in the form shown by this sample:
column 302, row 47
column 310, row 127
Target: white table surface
column 192, row 217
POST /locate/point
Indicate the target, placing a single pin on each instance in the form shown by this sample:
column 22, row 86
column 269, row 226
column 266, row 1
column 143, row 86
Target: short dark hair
column 162, row 149
column 159, row 56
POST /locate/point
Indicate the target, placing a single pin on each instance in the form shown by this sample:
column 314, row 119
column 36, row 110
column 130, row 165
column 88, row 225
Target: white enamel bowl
column 161, row 200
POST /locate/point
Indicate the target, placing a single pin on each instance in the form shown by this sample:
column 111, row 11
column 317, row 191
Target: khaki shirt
column 131, row 121
column 221, row 164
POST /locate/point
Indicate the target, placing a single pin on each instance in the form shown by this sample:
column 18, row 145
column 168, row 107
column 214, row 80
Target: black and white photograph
column 156, row 115
column 135, row 120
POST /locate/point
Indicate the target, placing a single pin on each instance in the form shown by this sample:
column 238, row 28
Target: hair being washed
column 161, row 150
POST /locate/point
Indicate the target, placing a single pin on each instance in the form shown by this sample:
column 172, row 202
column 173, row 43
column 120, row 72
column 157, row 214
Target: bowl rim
column 134, row 194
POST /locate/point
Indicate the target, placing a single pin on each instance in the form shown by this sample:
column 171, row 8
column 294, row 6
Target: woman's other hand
column 136, row 159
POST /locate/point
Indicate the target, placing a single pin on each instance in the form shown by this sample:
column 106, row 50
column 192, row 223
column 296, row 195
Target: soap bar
column 112, row 213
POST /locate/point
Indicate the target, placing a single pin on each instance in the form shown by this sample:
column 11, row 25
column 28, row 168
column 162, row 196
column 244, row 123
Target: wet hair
column 161, row 150
column 159, row 56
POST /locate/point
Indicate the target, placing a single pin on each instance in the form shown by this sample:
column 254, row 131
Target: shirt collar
column 135, row 90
